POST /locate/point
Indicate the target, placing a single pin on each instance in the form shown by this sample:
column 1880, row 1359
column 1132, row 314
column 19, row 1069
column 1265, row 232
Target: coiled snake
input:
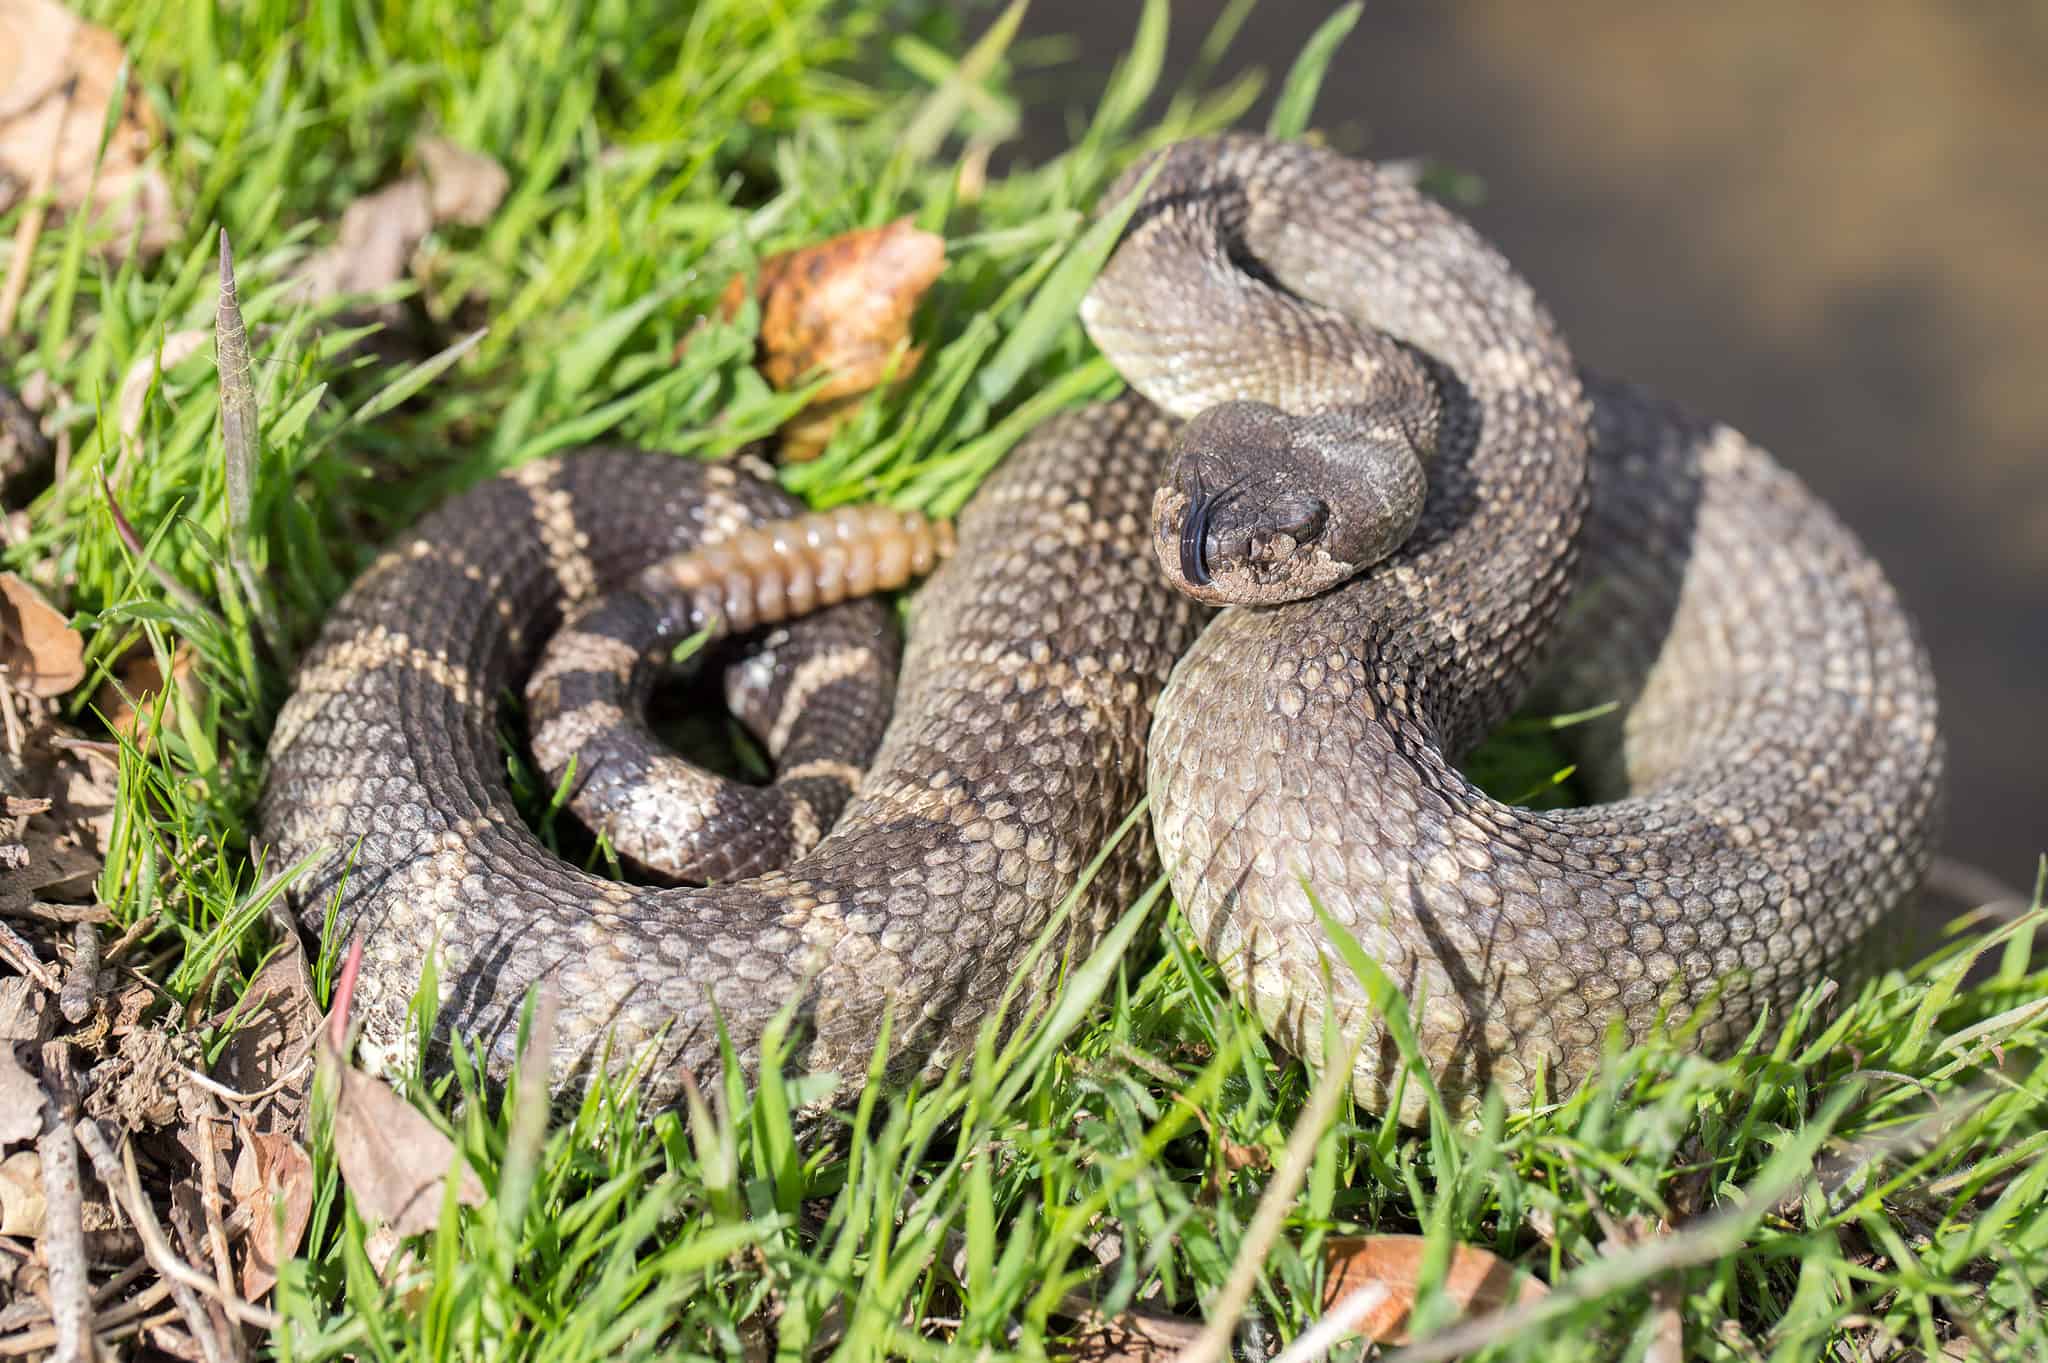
column 1768, row 786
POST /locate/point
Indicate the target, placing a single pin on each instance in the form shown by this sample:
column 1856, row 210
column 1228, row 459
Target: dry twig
column 64, row 1224
column 82, row 977
column 20, row 953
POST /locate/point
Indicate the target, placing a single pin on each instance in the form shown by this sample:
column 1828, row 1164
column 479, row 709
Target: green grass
column 1872, row 1173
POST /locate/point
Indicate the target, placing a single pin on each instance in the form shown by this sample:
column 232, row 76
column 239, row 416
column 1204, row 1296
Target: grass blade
column 1297, row 101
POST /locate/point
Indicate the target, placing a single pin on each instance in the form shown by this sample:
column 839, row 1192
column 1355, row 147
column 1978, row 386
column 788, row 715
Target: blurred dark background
column 1826, row 224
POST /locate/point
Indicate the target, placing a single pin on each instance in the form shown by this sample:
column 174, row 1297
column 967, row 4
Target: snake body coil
column 1769, row 784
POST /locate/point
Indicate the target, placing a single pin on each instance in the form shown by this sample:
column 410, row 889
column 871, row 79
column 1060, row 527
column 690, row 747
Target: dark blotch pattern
column 1016, row 749
column 1771, row 780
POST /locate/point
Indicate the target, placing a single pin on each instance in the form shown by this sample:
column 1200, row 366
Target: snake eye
column 1301, row 519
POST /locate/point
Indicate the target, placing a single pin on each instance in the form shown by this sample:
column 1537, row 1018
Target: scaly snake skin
column 1776, row 744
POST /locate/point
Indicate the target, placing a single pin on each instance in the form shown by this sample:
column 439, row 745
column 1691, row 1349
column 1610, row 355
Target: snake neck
column 1283, row 273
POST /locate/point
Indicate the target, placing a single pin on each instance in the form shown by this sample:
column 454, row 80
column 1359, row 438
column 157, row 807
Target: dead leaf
column 136, row 1088
column 21, row 1098
column 274, row 1027
column 57, row 76
column 841, row 309
column 466, row 186
column 21, row 1194
column 392, row 1158
column 386, row 1250
column 273, row 1178
column 381, row 231
column 1478, row 1280
column 141, row 678
column 42, row 655
column 24, row 1012
column 50, row 867
column 83, row 786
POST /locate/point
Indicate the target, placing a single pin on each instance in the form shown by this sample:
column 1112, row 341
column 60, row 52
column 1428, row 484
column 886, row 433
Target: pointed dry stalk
column 239, row 440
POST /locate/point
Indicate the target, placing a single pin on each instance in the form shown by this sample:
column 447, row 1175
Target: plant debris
column 26, row 453
column 839, row 310
column 42, row 654
column 380, row 232
column 393, row 1158
column 58, row 76
column 128, row 699
column 273, row 1183
column 1477, row 1280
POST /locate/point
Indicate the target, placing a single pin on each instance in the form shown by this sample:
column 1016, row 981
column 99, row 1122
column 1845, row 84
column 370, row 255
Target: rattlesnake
column 1769, row 784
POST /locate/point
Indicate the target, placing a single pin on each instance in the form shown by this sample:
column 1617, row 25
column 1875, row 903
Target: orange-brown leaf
column 274, row 1179
column 841, row 310
column 42, row 654
column 140, row 680
column 1478, row 1280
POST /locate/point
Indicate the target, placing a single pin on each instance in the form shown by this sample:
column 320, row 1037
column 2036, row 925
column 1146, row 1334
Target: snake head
column 1261, row 507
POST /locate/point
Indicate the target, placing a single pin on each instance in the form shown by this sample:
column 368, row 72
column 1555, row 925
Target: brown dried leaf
column 43, row 656
column 24, row 1012
column 57, row 75
column 840, row 308
column 21, row 1098
column 21, row 1194
column 392, row 1158
column 1478, row 1280
column 466, row 186
column 84, row 787
column 141, row 678
column 52, row 867
column 274, row 1179
column 274, row 1031
column 379, row 232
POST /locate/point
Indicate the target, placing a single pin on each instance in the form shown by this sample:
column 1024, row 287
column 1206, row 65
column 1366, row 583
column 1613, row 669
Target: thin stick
column 18, row 952
column 64, row 1234
column 121, row 1321
column 37, row 910
column 1332, row 1087
column 82, row 978
column 1338, row 1325
column 183, row 1277
column 136, row 932
column 222, row 1091
column 116, row 1285
column 209, row 1201
column 176, row 1275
